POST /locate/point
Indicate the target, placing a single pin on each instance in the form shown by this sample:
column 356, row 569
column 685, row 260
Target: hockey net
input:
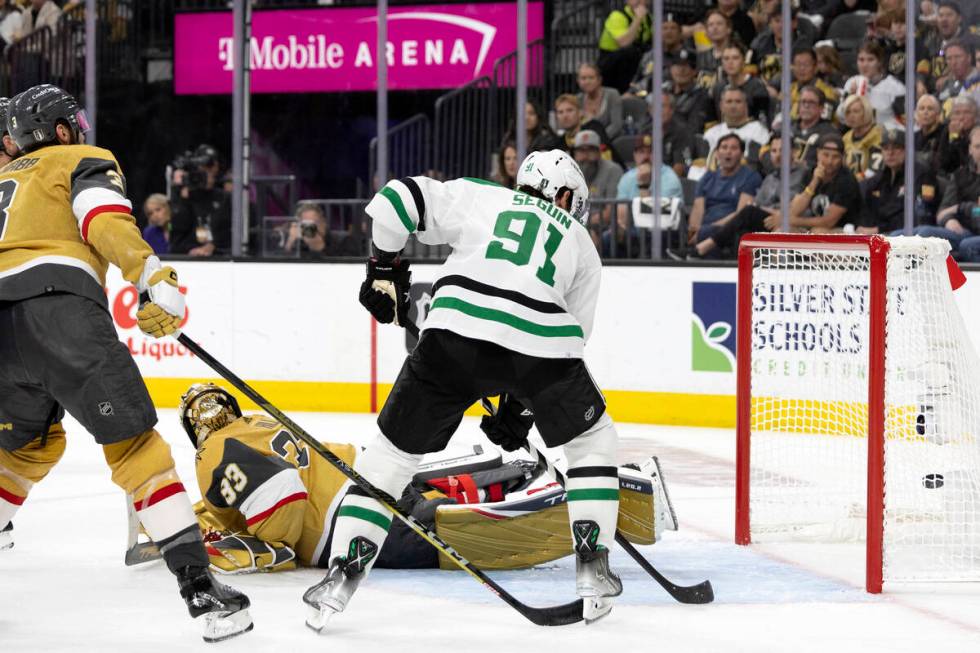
column 858, row 395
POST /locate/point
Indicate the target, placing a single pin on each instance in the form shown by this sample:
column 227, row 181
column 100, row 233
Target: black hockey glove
column 385, row 291
column 509, row 426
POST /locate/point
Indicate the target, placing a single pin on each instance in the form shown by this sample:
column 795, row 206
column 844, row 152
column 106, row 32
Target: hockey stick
column 696, row 594
column 558, row 615
column 137, row 552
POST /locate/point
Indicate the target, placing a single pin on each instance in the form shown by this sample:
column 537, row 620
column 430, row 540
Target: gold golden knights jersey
column 256, row 477
column 64, row 217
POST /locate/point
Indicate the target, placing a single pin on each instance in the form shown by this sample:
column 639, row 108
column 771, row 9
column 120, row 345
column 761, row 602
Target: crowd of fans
column 721, row 121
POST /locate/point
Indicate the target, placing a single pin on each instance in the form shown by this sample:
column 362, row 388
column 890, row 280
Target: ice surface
column 64, row 586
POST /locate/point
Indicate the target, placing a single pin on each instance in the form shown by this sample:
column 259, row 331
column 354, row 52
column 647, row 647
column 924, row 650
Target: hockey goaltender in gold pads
column 269, row 503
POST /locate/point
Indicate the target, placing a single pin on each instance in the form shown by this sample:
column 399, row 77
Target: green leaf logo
column 707, row 353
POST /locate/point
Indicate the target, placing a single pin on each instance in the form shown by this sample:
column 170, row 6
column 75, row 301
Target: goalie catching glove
column 508, row 427
column 161, row 302
column 385, row 291
column 244, row 554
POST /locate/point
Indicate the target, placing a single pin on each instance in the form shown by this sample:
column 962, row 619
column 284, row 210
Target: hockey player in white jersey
column 511, row 311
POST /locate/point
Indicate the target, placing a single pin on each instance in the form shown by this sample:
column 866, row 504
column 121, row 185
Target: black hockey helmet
column 33, row 115
column 206, row 408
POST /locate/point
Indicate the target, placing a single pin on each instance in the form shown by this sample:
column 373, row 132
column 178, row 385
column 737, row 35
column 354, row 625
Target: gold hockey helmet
column 204, row 409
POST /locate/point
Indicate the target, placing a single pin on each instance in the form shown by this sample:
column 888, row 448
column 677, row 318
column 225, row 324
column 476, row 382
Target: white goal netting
column 809, row 407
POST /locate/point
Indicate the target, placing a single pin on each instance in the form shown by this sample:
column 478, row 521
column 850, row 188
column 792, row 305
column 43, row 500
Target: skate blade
column 219, row 626
column 595, row 608
column 6, row 543
column 317, row 618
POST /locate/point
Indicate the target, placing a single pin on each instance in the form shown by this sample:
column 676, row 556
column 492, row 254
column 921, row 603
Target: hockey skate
column 331, row 595
column 225, row 609
column 7, row 536
column 594, row 581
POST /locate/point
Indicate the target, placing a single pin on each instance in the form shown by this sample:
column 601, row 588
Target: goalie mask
column 552, row 173
column 206, row 408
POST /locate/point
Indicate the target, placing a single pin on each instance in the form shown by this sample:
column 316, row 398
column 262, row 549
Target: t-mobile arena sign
column 322, row 50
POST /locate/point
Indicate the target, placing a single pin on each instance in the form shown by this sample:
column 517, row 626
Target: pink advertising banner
column 323, row 50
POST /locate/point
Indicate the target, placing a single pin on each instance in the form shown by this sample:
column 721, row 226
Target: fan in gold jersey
column 270, row 504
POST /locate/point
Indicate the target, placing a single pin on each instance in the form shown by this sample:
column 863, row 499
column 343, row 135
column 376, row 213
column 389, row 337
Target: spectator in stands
column 600, row 103
column 804, row 68
column 601, row 175
column 831, row 196
column 506, row 174
column 953, row 150
column 829, row 66
column 948, row 26
column 539, row 134
column 874, row 81
column 721, row 193
column 691, row 101
column 310, row 236
column 636, row 182
column 676, row 137
column 862, row 143
column 767, row 47
column 734, row 75
column 894, row 41
column 157, row 230
column 928, row 128
column 884, row 193
column 739, row 19
column 673, row 43
column 753, row 216
column 626, row 36
column 959, row 212
column 11, row 23
column 568, row 114
column 41, row 14
column 809, row 125
column 735, row 119
column 718, row 29
column 962, row 77
column 201, row 211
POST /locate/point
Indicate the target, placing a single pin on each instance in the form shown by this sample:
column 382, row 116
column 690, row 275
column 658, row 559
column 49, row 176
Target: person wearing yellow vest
column 626, row 35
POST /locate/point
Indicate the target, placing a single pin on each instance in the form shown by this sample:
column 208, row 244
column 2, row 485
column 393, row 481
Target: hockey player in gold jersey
column 64, row 217
column 269, row 503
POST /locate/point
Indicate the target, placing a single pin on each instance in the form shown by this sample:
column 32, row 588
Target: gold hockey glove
column 239, row 553
column 161, row 302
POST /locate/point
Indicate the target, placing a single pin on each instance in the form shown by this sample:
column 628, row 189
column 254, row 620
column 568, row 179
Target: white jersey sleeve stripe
column 93, row 198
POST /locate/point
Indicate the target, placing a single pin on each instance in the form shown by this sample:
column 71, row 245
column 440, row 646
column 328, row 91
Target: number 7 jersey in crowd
column 523, row 273
column 255, row 477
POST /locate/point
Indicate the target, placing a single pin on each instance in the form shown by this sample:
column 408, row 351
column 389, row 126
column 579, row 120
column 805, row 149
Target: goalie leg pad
column 593, row 479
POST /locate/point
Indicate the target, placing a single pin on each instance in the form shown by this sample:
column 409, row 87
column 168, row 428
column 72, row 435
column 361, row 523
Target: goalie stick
column 559, row 615
column 693, row 594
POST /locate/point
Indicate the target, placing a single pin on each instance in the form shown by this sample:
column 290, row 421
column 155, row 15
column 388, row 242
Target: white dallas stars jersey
column 523, row 273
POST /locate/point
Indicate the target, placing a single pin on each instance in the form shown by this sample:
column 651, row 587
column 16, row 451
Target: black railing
column 463, row 136
column 46, row 56
column 409, row 149
column 505, row 85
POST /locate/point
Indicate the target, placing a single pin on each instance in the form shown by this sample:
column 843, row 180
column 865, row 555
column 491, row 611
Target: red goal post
column 858, row 403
